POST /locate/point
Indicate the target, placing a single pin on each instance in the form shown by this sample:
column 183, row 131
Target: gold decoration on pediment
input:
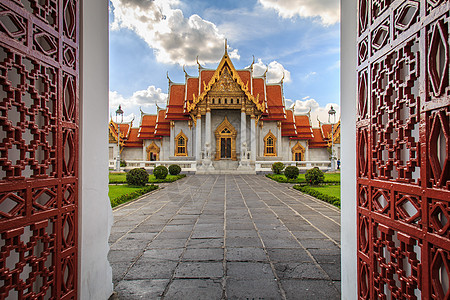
column 226, row 83
column 225, row 80
column 113, row 128
column 336, row 135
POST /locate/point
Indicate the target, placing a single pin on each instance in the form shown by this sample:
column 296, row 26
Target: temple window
column 269, row 145
column 298, row 152
column 181, row 144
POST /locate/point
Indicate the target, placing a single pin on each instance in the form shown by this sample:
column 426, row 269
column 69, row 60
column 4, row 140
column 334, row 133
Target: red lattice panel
column 38, row 149
column 403, row 149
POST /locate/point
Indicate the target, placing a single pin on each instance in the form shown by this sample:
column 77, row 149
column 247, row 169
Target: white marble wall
column 319, row 154
column 267, row 126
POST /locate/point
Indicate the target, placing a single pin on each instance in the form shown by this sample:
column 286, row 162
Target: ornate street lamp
column 119, row 120
column 332, row 120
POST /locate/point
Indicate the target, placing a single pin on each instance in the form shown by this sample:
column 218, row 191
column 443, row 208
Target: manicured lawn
column 332, row 190
column 327, row 193
column 329, row 177
column 122, row 178
column 119, row 194
column 119, row 190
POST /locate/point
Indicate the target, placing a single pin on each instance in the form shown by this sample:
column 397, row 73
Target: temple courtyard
column 226, row 237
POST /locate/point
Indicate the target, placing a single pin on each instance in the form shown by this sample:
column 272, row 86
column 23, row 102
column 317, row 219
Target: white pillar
column 172, row 140
column 198, row 138
column 94, row 209
column 279, row 138
column 349, row 92
column 243, row 131
column 307, row 151
column 208, row 127
column 253, row 138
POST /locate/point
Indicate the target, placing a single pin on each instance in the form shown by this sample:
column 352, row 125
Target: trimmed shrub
column 174, row 169
column 314, row 176
column 327, row 198
column 277, row 167
column 131, row 196
column 160, row 172
column 137, row 176
column 291, row 172
column 123, row 164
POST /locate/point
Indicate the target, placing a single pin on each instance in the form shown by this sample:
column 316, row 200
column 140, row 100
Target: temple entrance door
column 225, row 148
column 225, row 141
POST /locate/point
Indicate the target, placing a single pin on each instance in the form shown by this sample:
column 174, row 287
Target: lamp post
column 332, row 120
column 119, row 120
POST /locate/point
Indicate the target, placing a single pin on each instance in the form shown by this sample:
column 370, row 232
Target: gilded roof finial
column 226, row 47
column 167, row 74
column 184, row 70
column 140, row 109
column 282, row 78
column 199, row 65
column 157, row 107
column 253, row 62
column 265, row 73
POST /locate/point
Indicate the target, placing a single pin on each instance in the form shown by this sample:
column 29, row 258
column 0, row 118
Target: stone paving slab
column 226, row 237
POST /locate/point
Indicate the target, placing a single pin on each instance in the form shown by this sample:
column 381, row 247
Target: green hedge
column 127, row 197
column 327, row 198
column 283, row 179
column 152, row 179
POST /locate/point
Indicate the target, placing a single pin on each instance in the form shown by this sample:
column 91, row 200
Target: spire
column 226, row 47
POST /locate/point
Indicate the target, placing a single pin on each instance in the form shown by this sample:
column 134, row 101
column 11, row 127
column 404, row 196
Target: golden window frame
column 298, row 148
column 178, row 147
column 153, row 148
column 267, row 138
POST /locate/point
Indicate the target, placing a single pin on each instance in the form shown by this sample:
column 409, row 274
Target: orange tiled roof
column 162, row 124
column 175, row 107
column 192, row 89
column 288, row 125
column 133, row 140
column 275, row 105
column 147, row 128
column 317, row 141
column 326, row 129
column 258, row 89
column 304, row 130
column 205, row 76
column 245, row 77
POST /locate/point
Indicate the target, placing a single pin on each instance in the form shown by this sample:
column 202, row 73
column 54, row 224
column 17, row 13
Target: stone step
column 225, row 164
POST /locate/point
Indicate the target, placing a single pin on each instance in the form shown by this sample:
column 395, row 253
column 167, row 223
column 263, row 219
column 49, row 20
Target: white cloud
column 317, row 111
column 174, row 38
column 327, row 10
column 143, row 98
column 274, row 72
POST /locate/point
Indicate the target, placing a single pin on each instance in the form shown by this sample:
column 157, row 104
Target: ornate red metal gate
column 403, row 149
column 38, row 148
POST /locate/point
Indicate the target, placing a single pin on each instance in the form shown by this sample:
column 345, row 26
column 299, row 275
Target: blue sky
column 149, row 38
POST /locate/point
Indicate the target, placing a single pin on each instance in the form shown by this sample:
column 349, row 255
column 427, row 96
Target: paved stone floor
column 226, row 237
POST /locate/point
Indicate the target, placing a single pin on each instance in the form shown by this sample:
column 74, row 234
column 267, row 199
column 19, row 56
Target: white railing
column 266, row 166
column 150, row 165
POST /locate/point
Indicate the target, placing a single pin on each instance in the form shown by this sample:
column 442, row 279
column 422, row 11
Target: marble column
column 307, row 151
column 278, row 149
column 243, row 131
column 208, row 127
column 253, row 138
column 172, row 139
column 198, row 138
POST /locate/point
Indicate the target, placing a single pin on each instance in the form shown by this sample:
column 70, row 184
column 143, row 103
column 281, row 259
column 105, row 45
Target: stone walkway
column 226, row 237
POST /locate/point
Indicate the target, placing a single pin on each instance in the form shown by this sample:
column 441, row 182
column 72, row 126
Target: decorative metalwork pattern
column 38, row 149
column 403, row 149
